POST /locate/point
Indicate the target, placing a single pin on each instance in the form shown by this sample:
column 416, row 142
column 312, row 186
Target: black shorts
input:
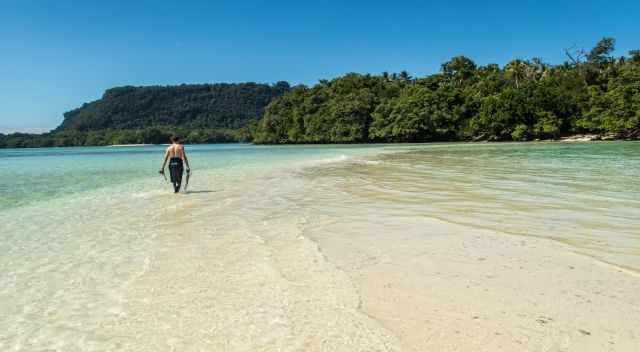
column 175, row 170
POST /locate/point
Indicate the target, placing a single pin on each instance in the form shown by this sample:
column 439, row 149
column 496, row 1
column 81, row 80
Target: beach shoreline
column 626, row 136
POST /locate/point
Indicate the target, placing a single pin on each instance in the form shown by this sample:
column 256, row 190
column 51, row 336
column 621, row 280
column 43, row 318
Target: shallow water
column 96, row 253
column 585, row 195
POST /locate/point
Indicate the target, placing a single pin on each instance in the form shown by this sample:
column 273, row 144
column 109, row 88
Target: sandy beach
column 417, row 285
column 484, row 291
column 345, row 278
column 334, row 254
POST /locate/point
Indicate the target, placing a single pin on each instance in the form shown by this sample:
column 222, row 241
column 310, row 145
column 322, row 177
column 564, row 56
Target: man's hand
column 161, row 172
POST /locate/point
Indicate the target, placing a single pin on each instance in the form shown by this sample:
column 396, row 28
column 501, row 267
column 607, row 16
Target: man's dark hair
column 175, row 139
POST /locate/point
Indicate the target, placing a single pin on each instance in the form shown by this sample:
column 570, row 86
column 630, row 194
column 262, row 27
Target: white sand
column 443, row 287
column 241, row 285
column 405, row 284
column 238, row 278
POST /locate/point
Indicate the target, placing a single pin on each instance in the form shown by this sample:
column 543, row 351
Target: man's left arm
column 186, row 161
column 164, row 162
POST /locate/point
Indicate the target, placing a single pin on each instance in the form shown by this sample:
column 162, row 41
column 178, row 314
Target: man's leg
column 178, row 179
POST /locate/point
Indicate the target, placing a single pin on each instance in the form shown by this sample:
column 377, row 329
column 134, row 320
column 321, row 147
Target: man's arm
column 186, row 161
column 164, row 162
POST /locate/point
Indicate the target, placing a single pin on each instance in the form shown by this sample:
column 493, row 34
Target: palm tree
column 405, row 76
column 517, row 69
column 540, row 67
column 459, row 68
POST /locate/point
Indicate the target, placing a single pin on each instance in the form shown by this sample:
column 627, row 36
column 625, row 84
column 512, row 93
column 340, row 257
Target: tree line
column 151, row 135
column 592, row 92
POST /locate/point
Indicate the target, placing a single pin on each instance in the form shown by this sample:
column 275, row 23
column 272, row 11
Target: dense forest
column 201, row 113
column 592, row 92
column 150, row 135
column 225, row 106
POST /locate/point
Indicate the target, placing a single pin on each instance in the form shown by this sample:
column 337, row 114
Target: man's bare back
column 175, row 151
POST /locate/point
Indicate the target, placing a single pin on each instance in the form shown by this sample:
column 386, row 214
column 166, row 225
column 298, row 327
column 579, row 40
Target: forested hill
column 216, row 106
column 199, row 113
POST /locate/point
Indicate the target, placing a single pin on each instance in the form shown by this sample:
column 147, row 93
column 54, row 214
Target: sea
column 97, row 253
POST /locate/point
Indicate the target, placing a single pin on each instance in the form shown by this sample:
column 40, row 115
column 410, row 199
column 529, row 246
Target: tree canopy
column 188, row 105
column 526, row 99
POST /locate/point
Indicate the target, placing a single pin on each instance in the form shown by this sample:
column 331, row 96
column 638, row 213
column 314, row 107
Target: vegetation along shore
column 592, row 93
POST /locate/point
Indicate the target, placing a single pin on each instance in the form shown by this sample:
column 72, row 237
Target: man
column 176, row 156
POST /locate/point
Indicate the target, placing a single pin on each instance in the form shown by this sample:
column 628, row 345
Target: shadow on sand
column 203, row 191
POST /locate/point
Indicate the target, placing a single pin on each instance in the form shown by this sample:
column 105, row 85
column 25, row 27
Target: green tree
column 459, row 69
column 599, row 53
column 518, row 70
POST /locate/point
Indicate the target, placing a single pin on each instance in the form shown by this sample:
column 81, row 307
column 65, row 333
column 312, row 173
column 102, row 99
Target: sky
column 56, row 55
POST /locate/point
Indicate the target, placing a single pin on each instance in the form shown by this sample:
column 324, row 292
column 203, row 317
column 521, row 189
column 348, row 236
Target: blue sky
column 56, row 55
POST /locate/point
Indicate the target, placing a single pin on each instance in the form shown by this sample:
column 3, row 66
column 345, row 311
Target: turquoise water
column 586, row 195
column 33, row 175
column 86, row 232
column 83, row 229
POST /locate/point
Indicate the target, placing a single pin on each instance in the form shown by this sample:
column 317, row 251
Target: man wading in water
column 176, row 156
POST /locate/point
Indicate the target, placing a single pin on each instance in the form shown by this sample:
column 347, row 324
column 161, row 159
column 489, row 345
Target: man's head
column 175, row 139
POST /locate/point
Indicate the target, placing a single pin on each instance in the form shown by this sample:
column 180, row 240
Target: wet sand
column 391, row 285
column 299, row 279
column 443, row 287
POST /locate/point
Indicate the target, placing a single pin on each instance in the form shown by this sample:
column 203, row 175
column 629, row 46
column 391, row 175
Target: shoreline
column 453, row 288
column 559, row 242
column 629, row 136
column 132, row 145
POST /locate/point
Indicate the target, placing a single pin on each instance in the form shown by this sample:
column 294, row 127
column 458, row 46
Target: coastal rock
column 581, row 138
column 633, row 134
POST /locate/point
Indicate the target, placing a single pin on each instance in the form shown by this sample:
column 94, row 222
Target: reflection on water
column 585, row 195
